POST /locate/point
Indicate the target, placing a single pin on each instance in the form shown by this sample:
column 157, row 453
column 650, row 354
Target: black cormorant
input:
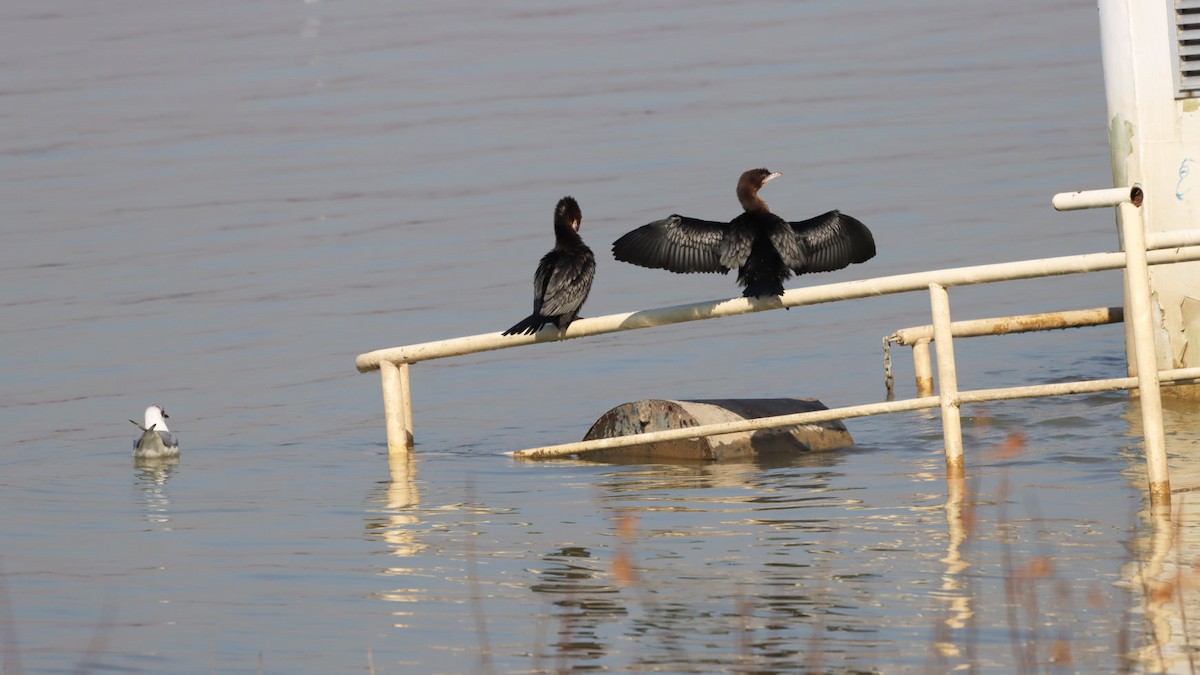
column 564, row 276
column 765, row 249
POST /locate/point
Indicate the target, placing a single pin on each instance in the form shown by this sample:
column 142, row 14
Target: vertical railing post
column 947, row 381
column 406, row 395
column 922, row 368
column 397, row 407
column 1137, row 282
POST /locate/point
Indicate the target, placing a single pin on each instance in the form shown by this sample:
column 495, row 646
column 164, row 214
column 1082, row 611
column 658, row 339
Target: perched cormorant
column 564, row 276
column 156, row 440
column 765, row 249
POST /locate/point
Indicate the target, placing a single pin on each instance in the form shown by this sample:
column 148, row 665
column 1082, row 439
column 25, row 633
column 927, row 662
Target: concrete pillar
column 1154, row 139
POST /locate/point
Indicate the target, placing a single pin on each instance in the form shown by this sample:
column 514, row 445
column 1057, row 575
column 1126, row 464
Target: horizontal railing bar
column 1179, row 374
column 1053, row 389
column 1079, row 387
column 1095, row 199
column 1172, row 239
column 1021, row 323
column 817, row 416
column 754, row 424
column 796, row 297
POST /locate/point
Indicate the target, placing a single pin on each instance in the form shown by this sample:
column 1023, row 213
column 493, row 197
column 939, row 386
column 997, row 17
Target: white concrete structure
column 1152, row 86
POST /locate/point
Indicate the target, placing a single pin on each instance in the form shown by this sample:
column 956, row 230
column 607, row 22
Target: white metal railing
column 919, row 337
column 848, row 412
column 393, row 363
column 796, row 297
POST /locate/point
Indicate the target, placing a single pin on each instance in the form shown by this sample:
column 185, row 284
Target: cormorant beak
column 770, row 177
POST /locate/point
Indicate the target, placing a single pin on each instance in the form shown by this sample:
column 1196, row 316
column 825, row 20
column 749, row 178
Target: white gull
column 156, row 440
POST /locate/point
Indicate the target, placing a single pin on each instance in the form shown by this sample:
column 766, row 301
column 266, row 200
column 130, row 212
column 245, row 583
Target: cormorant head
column 757, row 178
column 749, row 184
column 567, row 213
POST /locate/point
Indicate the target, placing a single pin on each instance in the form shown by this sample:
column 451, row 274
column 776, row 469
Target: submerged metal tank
column 659, row 414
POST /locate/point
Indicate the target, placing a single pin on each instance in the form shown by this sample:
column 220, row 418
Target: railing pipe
column 396, row 393
column 796, row 297
column 918, row 337
column 1022, row 323
column 1096, row 199
column 397, row 408
column 1172, row 239
column 1137, row 280
column 947, row 383
column 815, row 417
column 923, row 366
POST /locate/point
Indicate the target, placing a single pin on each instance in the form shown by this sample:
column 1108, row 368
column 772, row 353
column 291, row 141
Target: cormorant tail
column 528, row 326
column 763, row 288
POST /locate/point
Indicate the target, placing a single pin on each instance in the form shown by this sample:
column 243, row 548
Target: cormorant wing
column 792, row 250
column 562, row 282
column 832, row 241
column 677, row 243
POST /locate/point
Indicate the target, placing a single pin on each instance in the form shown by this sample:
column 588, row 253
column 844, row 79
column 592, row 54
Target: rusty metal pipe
column 923, row 366
column 1021, row 323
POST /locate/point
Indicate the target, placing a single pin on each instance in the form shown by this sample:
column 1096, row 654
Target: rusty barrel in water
column 658, row 414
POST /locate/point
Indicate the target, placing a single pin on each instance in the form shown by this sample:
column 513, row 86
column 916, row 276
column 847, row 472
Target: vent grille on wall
column 1185, row 47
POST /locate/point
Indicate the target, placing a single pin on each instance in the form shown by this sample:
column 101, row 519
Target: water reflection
column 1163, row 576
column 1158, row 581
column 787, row 566
column 576, row 583
column 955, row 591
column 151, row 475
column 693, row 475
column 399, row 500
column 757, row 590
column 396, row 520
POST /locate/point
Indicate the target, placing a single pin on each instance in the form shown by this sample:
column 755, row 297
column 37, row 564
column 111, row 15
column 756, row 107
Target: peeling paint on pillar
column 1190, row 310
column 1120, row 143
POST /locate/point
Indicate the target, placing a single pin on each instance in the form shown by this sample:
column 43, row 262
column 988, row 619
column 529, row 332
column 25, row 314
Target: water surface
column 217, row 206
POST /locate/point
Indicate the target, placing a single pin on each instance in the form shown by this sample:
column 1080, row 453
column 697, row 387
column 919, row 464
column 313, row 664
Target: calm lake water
column 216, row 206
